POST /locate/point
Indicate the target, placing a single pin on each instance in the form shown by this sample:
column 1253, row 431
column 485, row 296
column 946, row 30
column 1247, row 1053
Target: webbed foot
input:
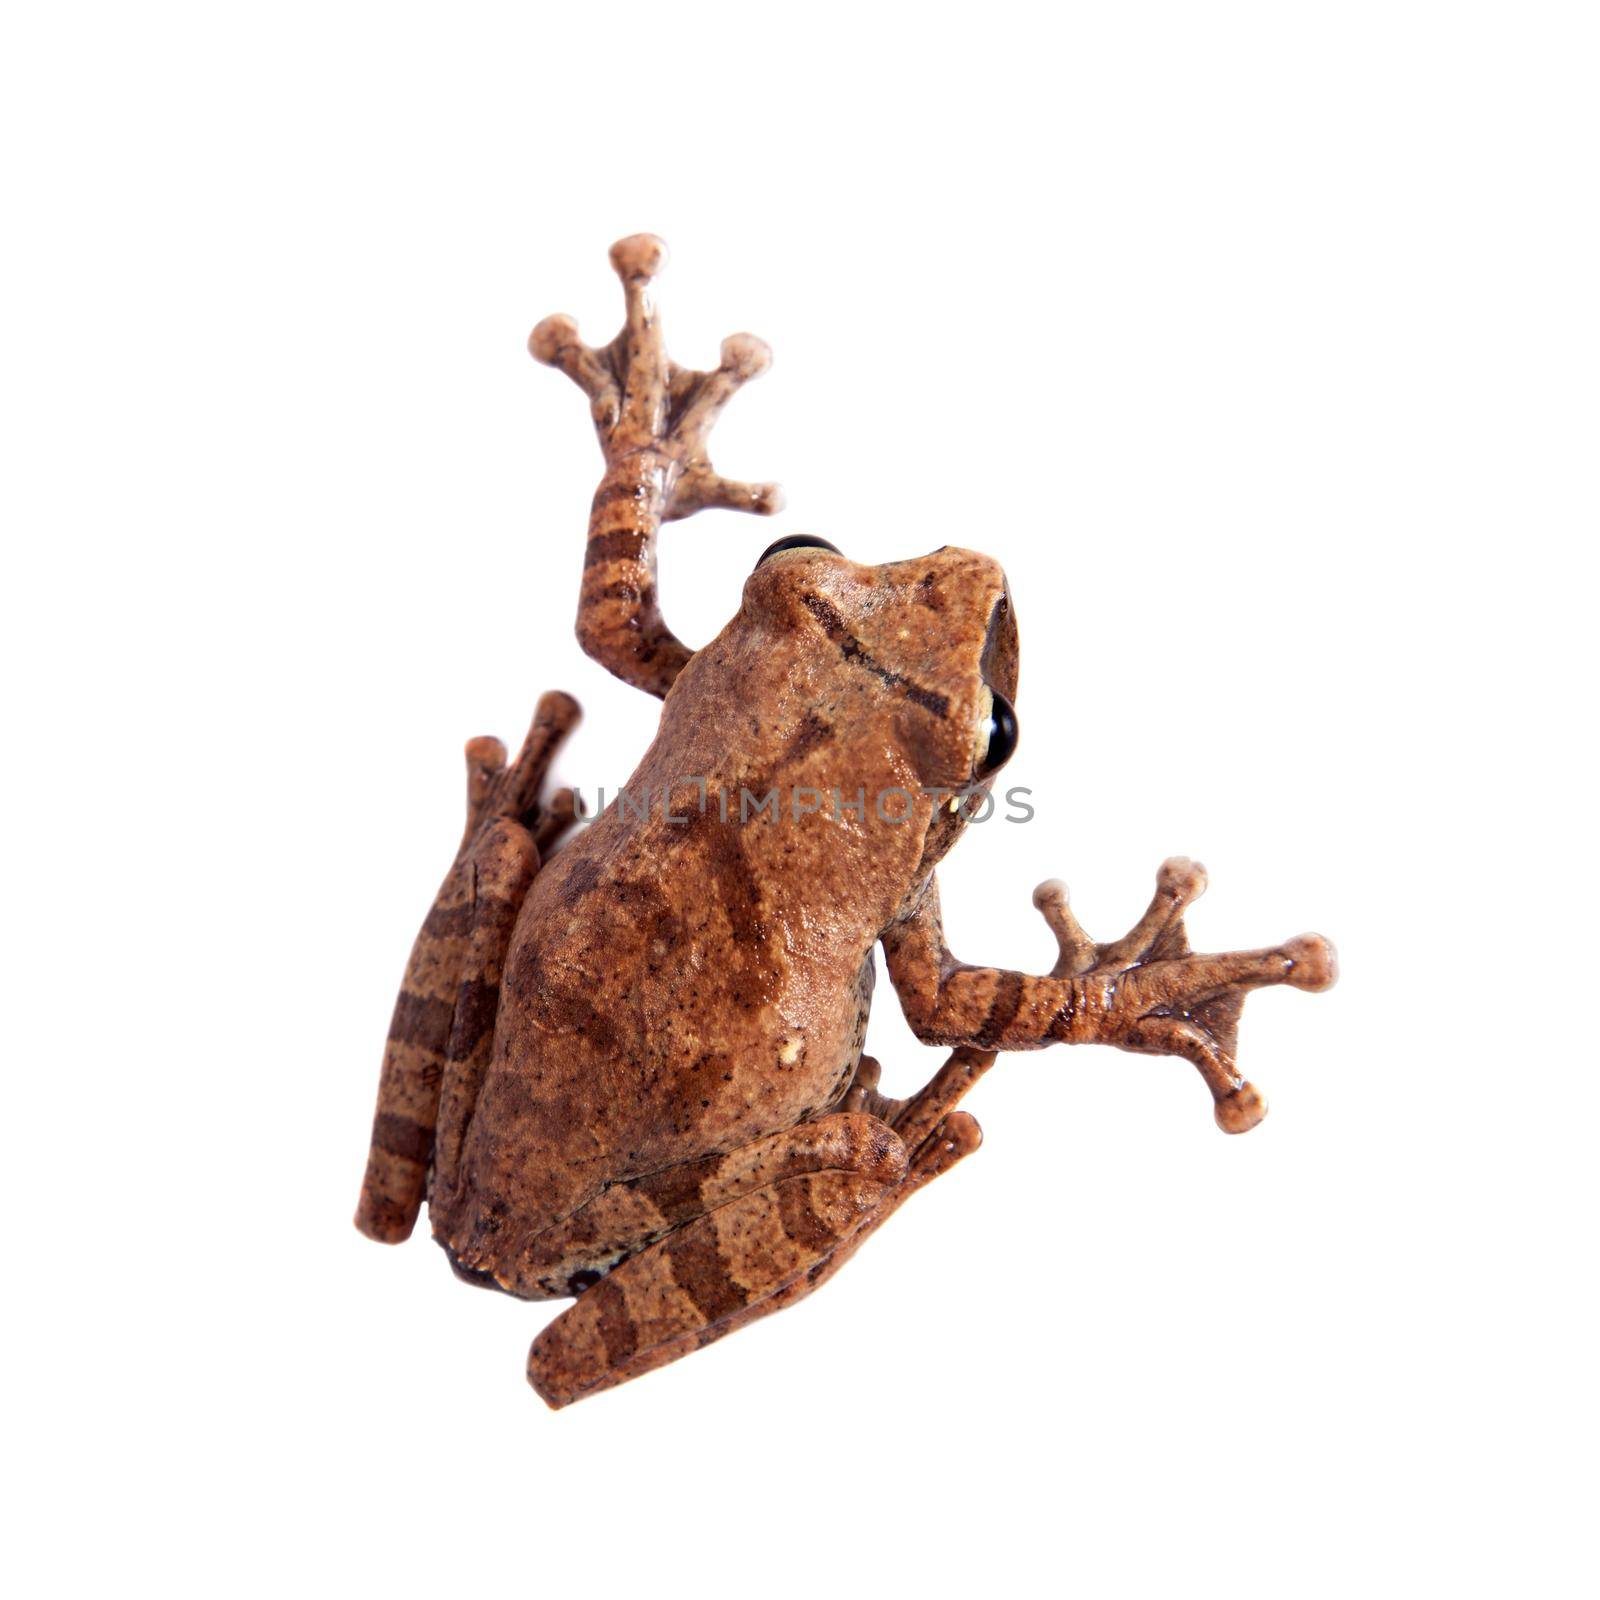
column 641, row 400
column 1152, row 994
column 654, row 419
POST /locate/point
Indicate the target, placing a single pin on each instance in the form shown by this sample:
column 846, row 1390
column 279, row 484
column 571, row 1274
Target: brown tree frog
column 630, row 1070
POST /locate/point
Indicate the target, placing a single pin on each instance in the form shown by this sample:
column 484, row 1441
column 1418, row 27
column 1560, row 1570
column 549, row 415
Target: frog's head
column 921, row 654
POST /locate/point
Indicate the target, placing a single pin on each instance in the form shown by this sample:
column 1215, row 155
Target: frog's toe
column 555, row 342
column 1182, row 879
column 1314, row 963
column 1075, row 951
column 639, row 257
column 744, row 356
column 486, row 754
column 1241, row 1110
column 704, row 490
column 551, row 338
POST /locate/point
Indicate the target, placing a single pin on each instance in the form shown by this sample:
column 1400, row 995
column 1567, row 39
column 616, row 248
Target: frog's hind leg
column 951, row 1139
column 443, row 1023
column 935, row 1135
column 624, row 1218
column 725, row 1266
column 759, row 1252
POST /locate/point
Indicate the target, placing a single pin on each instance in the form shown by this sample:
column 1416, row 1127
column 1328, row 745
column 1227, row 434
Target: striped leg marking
column 704, row 1280
column 629, row 1217
column 937, row 1137
column 443, row 1021
column 759, row 1252
column 953, row 1138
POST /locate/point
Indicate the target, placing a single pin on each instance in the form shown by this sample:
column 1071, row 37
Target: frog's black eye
column 797, row 541
column 1002, row 733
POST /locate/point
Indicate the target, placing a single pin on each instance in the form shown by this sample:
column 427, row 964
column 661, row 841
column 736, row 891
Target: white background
column 1259, row 342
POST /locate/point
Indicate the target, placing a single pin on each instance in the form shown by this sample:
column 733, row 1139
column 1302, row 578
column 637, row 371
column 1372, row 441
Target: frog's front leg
column 654, row 418
column 443, row 1023
column 1144, row 992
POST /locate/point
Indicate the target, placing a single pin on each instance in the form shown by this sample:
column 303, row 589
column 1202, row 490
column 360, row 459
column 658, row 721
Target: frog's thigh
column 712, row 1275
column 576, row 1252
column 956, row 1136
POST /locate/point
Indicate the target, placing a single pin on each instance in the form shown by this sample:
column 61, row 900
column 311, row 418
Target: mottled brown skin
column 632, row 1072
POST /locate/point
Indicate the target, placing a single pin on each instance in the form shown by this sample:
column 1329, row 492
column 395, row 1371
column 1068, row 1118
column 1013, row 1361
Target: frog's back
column 684, row 981
column 672, row 989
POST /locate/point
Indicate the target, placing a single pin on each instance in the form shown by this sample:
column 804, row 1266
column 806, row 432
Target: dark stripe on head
column 852, row 649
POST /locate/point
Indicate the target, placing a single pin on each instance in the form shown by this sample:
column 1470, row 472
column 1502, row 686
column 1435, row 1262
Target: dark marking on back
column 812, row 732
column 675, row 1191
column 581, row 878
